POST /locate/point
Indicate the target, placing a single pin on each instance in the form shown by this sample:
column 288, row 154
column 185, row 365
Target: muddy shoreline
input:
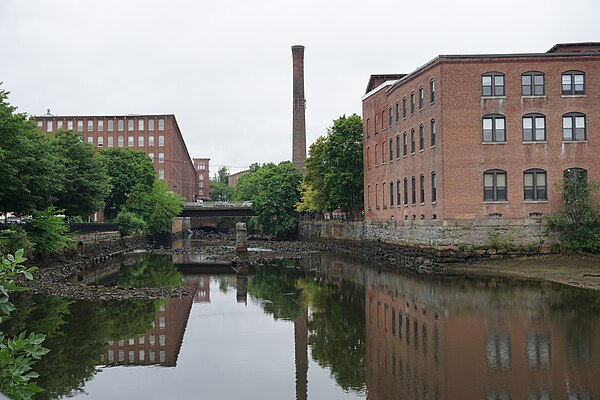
column 55, row 275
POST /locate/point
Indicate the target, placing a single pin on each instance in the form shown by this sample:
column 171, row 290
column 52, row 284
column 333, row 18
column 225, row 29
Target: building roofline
column 378, row 88
column 576, row 44
column 458, row 57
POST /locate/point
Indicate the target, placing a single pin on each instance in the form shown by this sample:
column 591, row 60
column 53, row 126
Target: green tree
column 277, row 194
column 48, row 232
column 220, row 191
column 247, row 186
column 86, row 183
column 30, row 172
column 130, row 223
column 157, row 207
column 127, row 169
column 335, row 167
column 578, row 220
column 222, row 176
column 20, row 352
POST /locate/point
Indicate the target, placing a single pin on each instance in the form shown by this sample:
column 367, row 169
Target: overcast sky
column 224, row 68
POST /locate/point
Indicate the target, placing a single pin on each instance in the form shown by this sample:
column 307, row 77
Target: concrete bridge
column 217, row 209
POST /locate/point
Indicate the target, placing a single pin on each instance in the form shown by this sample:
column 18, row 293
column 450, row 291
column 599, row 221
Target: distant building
column 158, row 136
column 468, row 137
column 202, row 170
column 233, row 178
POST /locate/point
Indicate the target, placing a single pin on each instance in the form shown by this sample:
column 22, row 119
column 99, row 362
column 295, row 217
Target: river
column 325, row 327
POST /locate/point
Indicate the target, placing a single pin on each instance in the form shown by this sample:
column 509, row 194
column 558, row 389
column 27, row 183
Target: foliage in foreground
column 19, row 353
column 578, row 220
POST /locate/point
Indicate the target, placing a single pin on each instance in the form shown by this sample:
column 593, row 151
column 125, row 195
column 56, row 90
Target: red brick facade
column 203, row 172
column 158, row 136
column 462, row 158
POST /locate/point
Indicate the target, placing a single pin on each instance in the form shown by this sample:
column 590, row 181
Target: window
column 100, row 125
column 151, row 155
column 79, row 125
column 573, row 83
column 405, row 192
column 421, row 98
column 90, row 140
column 433, row 132
column 494, row 185
column 59, row 124
column 432, row 91
column 100, row 141
column 412, row 102
column 377, row 196
column 421, row 137
column 574, row 127
column 140, row 141
column 397, row 111
column 492, row 84
column 368, row 158
column 161, row 158
column 493, row 129
column 413, row 190
column 367, row 127
column 161, row 141
column 120, row 125
column 151, row 140
column 391, row 150
column 532, row 84
column 369, row 197
column 534, row 185
column 390, row 117
column 375, row 126
column 120, row 141
column 579, row 173
column 111, row 125
column 534, row 128
column 376, row 154
column 130, row 124
column 383, row 152
column 40, row 124
column 90, row 125
column 161, row 174
column 129, row 141
column 391, row 194
column 404, row 107
column 49, row 126
column 398, row 146
column 412, row 141
column 405, row 145
column 140, row 124
column 110, row 141
column 422, row 189
column 398, row 190
column 70, row 125
column 161, row 124
column 433, row 187
column 150, row 124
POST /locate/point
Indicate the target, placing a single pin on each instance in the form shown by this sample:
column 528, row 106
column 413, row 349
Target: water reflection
column 376, row 335
column 491, row 339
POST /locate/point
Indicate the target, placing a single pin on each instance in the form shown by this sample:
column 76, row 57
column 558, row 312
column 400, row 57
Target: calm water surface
column 323, row 328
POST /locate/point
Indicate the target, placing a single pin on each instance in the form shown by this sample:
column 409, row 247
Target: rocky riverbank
column 58, row 275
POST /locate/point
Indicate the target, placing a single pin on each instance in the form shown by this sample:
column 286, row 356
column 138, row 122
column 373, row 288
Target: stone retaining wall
column 486, row 238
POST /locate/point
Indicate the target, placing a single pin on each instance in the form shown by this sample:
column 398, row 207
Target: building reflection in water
column 160, row 344
column 455, row 339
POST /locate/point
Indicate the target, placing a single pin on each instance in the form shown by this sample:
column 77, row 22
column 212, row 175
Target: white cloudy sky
column 224, row 67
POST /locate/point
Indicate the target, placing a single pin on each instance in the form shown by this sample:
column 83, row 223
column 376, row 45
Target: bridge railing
column 214, row 204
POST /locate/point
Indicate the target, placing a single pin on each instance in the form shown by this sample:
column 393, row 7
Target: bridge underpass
column 215, row 209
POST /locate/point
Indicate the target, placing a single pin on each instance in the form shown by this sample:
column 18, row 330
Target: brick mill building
column 477, row 137
column 158, row 136
column 203, row 172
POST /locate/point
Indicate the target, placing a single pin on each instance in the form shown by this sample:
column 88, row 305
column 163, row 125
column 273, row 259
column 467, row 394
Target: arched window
column 573, row 83
column 535, row 185
column 369, row 197
column 532, row 84
column 494, row 185
column 534, row 128
column 492, row 84
column 494, row 128
column 579, row 173
column 398, row 193
column 574, row 127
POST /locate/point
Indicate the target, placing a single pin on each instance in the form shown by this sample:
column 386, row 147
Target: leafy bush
column 578, row 221
column 17, row 354
column 130, row 223
column 48, row 232
column 13, row 239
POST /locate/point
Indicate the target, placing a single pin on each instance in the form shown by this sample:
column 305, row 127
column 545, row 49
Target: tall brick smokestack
column 299, row 106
